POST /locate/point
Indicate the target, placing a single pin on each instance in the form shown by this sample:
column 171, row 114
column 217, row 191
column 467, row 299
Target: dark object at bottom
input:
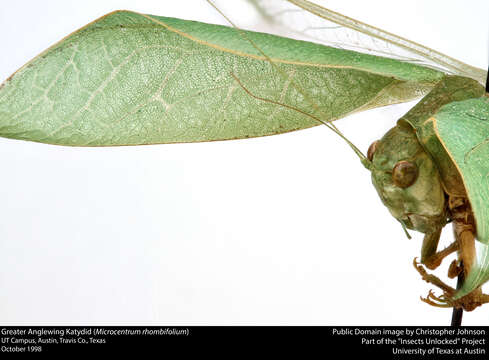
column 457, row 317
column 458, row 313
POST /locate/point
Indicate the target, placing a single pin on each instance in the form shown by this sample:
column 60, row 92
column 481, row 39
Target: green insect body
column 129, row 79
column 429, row 195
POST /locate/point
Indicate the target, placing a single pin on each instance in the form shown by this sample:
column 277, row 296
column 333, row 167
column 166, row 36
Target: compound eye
column 372, row 149
column 404, row 174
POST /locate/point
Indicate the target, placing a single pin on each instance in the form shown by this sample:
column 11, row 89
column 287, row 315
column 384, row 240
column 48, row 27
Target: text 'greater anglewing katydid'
column 283, row 273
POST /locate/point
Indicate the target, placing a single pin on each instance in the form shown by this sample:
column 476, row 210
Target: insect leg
column 429, row 257
column 464, row 230
column 432, row 279
column 465, row 237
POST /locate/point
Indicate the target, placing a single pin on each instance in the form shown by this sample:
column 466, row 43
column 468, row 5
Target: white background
column 278, row 230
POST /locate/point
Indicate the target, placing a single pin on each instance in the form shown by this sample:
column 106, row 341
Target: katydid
column 136, row 121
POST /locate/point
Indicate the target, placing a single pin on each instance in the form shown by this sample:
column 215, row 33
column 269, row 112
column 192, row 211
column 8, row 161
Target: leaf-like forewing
column 129, row 79
column 463, row 129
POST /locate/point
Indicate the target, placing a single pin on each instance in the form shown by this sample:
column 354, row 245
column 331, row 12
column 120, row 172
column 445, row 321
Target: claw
column 419, row 268
column 432, row 303
column 440, row 299
column 433, row 300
